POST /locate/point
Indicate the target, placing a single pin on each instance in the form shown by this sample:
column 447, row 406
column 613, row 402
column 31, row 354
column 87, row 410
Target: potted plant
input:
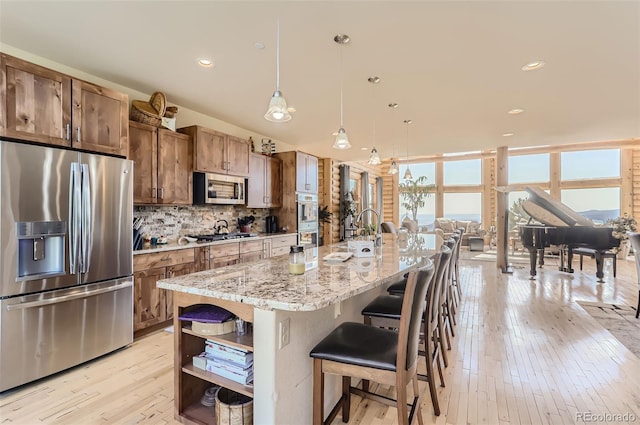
column 620, row 226
column 414, row 194
column 324, row 216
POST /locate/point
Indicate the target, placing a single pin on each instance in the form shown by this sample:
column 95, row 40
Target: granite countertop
column 173, row 245
column 268, row 285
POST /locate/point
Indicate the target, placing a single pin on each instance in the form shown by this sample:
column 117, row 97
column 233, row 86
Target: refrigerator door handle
column 86, row 219
column 74, row 216
column 70, row 297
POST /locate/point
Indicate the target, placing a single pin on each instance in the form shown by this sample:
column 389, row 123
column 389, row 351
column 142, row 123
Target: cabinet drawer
column 224, row 250
column 279, row 251
column 162, row 259
column 282, row 241
column 251, row 246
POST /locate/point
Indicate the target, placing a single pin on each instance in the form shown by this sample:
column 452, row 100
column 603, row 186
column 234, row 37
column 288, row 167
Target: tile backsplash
column 179, row 220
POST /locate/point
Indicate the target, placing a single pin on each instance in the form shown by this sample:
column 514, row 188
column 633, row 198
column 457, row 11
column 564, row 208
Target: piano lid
column 551, row 212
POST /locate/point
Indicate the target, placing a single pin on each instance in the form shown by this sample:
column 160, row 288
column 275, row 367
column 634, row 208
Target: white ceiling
column 452, row 66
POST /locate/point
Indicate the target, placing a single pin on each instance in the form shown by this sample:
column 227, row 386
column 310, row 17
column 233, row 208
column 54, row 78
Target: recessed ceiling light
column 533, row 65
column 515, row 111
column 508, row 134
column 259, row 45
column 205, row 63
column 364, row 149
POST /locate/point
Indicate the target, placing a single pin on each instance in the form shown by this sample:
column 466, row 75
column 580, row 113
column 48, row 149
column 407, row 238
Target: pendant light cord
column 341, row 89
column 278, row 55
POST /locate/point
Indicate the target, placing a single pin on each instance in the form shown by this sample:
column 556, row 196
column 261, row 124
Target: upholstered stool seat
column 398, row 287
column 359, row 344
column 385, row 306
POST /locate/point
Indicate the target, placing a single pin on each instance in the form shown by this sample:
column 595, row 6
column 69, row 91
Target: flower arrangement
column 622, row 225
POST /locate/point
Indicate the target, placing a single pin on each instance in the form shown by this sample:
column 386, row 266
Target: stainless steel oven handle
column 69, row 297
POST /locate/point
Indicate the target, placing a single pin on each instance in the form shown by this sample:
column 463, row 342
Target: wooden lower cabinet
column 152, row 305
column 191, row 382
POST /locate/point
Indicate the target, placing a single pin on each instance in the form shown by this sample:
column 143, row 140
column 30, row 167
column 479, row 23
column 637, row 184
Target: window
column 529, row 168
column 597, row 204
column 463, row 206
column 427, row 169
column 466, row 172
column 426, row 215
column 585, row 165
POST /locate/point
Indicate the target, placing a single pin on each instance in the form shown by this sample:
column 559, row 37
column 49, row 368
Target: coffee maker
column 271, row 224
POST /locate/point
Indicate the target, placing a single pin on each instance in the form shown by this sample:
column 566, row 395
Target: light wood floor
column 524, row 353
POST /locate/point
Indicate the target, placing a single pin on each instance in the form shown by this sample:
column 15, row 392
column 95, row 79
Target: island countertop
column 268, row 285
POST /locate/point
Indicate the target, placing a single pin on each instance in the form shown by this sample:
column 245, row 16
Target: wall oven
column 307, row 211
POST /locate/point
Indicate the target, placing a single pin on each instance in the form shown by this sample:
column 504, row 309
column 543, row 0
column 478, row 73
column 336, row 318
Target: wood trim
column 626, row 184
column 502, row 178
column 554, row 175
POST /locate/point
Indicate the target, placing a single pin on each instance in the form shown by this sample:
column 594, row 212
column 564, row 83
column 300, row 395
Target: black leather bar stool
column 385, row 310
column 382, row 355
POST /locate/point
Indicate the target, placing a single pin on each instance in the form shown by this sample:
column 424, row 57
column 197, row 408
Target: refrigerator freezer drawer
column 45, row 333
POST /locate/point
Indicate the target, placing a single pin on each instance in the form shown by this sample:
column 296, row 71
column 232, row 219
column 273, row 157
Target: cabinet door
column 274, row 182
column 251, row 256
column 36, row 102
column 238, row 156
column 100, row 119
column 174, row 168
column 202, row 258
column 175, row 271
column 149, row 306
column 209, row 153
column 306, row 173
column 143, row 152
column 256, row 196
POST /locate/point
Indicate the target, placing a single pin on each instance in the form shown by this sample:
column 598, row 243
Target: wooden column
column 488, row 184
column 502, row 179
column 626, row 188
column 555, row 175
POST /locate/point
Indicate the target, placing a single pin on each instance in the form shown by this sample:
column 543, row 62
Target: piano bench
column 591, row 253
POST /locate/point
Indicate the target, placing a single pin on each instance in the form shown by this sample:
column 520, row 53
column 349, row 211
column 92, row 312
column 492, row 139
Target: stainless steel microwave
column 211, row 188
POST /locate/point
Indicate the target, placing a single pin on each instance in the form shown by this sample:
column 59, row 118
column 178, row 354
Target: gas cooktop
column 222, row 237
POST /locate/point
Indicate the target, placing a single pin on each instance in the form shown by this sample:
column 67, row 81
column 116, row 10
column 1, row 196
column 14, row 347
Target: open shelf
column 244, row 342
column 219, row 380
column 199, row 414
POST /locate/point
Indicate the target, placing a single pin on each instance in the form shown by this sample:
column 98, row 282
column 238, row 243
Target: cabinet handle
column 154, row 192
column 78, row 131
column 67, row 129
column 161, row 193
column 307, row 186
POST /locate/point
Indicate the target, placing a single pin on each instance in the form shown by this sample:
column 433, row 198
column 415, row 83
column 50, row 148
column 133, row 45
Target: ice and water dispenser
column 40, row 249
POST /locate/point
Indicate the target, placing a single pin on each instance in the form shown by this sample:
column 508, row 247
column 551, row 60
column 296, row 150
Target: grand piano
column 563, row 227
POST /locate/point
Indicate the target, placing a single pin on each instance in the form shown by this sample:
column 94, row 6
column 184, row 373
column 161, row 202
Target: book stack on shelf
column 229, row 362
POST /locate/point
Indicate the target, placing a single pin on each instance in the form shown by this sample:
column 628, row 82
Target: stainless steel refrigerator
column 66, row 285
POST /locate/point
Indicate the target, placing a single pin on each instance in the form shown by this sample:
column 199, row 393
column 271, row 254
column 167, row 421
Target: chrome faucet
column 378, row 227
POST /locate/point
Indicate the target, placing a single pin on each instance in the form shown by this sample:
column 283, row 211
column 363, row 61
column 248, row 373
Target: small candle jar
column 296, row 259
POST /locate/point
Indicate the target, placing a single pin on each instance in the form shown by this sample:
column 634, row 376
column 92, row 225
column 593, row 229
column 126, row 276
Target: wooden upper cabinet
column 306, row 173
column 238, row 156
column 143, row 151
column 45, row 106
column 100, row 119
column 36, row 103
column 264, row 187
column 162, row 165
column 216, row 152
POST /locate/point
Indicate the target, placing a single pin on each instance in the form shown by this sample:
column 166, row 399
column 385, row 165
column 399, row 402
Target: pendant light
column 407, row 174
column 342, row 141
column 277, row 111
column 393, row 168
column 374, row 157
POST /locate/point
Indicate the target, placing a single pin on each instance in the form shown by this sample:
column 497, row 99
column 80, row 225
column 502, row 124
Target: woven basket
column 159, row 102
column 141, row 112
column 233, row 408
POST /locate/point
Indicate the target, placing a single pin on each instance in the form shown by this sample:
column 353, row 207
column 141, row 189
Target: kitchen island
column 290, row 314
